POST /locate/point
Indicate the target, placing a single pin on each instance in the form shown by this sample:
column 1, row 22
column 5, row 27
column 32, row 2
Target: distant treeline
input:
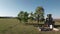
column 8, row 17
column 57, row 20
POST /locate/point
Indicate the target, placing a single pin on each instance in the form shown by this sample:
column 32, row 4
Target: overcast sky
column 13, row 7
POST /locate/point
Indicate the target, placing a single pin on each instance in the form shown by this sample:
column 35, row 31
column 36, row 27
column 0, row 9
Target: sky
column 13, row 7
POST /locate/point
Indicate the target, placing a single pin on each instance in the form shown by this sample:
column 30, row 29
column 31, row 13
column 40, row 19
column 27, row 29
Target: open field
column 13, row 26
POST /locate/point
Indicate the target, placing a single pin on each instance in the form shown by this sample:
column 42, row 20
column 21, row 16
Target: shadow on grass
column 40, row 25
column 56, row 26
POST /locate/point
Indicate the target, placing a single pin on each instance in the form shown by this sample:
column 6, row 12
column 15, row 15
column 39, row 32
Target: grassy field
column 13, row 26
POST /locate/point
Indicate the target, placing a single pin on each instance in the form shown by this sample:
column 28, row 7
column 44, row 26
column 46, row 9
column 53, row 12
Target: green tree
column 23, row 16
column 30, row 16
column 39, row 13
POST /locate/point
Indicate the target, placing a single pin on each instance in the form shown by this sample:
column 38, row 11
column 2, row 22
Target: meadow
column 13, row 26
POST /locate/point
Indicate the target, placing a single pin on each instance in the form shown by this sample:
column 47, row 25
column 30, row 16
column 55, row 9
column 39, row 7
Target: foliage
column 37, row 15
column 31, row 16
column 20, row 15
column 23, row 16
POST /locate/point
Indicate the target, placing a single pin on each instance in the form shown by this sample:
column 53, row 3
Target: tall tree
column 25, row 17
column 39, row 13
column 30, row 17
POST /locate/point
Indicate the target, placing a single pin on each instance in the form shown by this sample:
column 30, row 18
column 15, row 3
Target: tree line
column 38, row 15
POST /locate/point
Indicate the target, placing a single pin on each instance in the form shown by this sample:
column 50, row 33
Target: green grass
column 13, row 26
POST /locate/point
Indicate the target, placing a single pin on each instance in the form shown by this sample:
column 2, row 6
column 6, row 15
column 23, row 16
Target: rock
column 55, row 29
column 38, row 29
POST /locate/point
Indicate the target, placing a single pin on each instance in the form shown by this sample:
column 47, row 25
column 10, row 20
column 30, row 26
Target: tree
column 23, row 16
column 30, row 17
column 39, row 13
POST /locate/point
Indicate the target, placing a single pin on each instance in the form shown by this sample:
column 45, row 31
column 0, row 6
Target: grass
column 13, row 26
